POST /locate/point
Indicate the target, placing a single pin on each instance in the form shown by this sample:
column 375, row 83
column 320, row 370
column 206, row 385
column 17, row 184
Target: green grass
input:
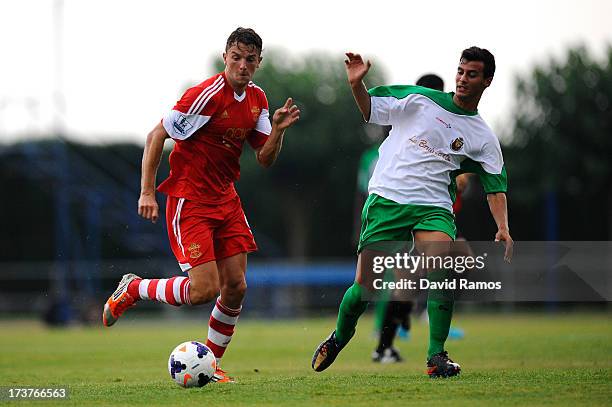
column 506, row 359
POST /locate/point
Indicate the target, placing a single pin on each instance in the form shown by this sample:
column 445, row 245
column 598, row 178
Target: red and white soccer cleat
column 221, row 376
column 119, row 301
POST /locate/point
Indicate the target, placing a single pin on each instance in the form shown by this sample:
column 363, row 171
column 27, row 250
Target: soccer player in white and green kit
column 435, row 136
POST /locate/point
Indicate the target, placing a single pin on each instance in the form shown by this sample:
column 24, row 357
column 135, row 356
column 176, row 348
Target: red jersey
column 209, row 125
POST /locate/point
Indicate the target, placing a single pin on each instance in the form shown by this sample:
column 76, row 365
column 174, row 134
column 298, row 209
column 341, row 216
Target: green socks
column 440, row 310
column 440, row 315
column 351, row 308
column 439, row 307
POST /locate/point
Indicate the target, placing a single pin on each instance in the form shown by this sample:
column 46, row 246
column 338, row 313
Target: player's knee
column 235, row 289
column 203, row 295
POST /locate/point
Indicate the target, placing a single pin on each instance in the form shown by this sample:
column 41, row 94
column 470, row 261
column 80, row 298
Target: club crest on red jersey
column 255, row 111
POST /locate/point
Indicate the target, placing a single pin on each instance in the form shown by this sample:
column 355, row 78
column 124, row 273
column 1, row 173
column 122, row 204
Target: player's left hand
column 504, row 235
column 285, row 116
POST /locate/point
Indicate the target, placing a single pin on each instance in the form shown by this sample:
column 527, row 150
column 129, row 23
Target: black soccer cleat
column 326, row 353
column 439, row 365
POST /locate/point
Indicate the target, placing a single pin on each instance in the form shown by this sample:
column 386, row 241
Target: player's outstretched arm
column 356, row 70
column 499, row 210
column 154, row 146
column 283, row 119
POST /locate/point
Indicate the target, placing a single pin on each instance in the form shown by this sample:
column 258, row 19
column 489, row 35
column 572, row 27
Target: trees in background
column 559, row 158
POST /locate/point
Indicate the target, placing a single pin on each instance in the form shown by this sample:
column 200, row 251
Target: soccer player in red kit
column 207, row 228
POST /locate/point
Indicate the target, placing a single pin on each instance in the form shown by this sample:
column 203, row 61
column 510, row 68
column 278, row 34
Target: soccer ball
column 192, row 364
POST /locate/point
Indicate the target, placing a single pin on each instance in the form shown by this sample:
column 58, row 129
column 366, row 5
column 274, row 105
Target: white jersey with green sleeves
column 431, row 142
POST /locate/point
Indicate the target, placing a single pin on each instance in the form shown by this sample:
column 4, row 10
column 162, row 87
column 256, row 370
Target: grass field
column 507, row 360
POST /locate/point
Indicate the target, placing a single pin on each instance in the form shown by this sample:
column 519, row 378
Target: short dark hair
column 246, row 36
column 431, row 81
column 482, row 55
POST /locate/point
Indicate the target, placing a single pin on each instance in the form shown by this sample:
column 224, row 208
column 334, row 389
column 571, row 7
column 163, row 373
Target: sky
column 106, row 71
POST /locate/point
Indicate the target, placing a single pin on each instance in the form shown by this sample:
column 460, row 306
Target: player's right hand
column 285, row 116
column 356, row 69
column 148, row 208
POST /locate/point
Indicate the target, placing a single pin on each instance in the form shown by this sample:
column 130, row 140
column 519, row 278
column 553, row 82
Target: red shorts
column 201, row 233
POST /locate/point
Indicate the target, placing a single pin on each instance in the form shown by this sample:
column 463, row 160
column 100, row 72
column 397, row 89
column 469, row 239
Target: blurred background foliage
column 559, row 156
column 69, row 201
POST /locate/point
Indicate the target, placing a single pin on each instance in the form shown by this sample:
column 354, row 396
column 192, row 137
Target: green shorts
column 384, row 220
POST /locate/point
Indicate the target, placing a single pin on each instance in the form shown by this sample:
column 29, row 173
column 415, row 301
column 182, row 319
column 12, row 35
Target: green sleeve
column 492, row 183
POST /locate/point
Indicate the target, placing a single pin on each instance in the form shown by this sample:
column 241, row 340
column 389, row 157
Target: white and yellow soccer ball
column 192, row 364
